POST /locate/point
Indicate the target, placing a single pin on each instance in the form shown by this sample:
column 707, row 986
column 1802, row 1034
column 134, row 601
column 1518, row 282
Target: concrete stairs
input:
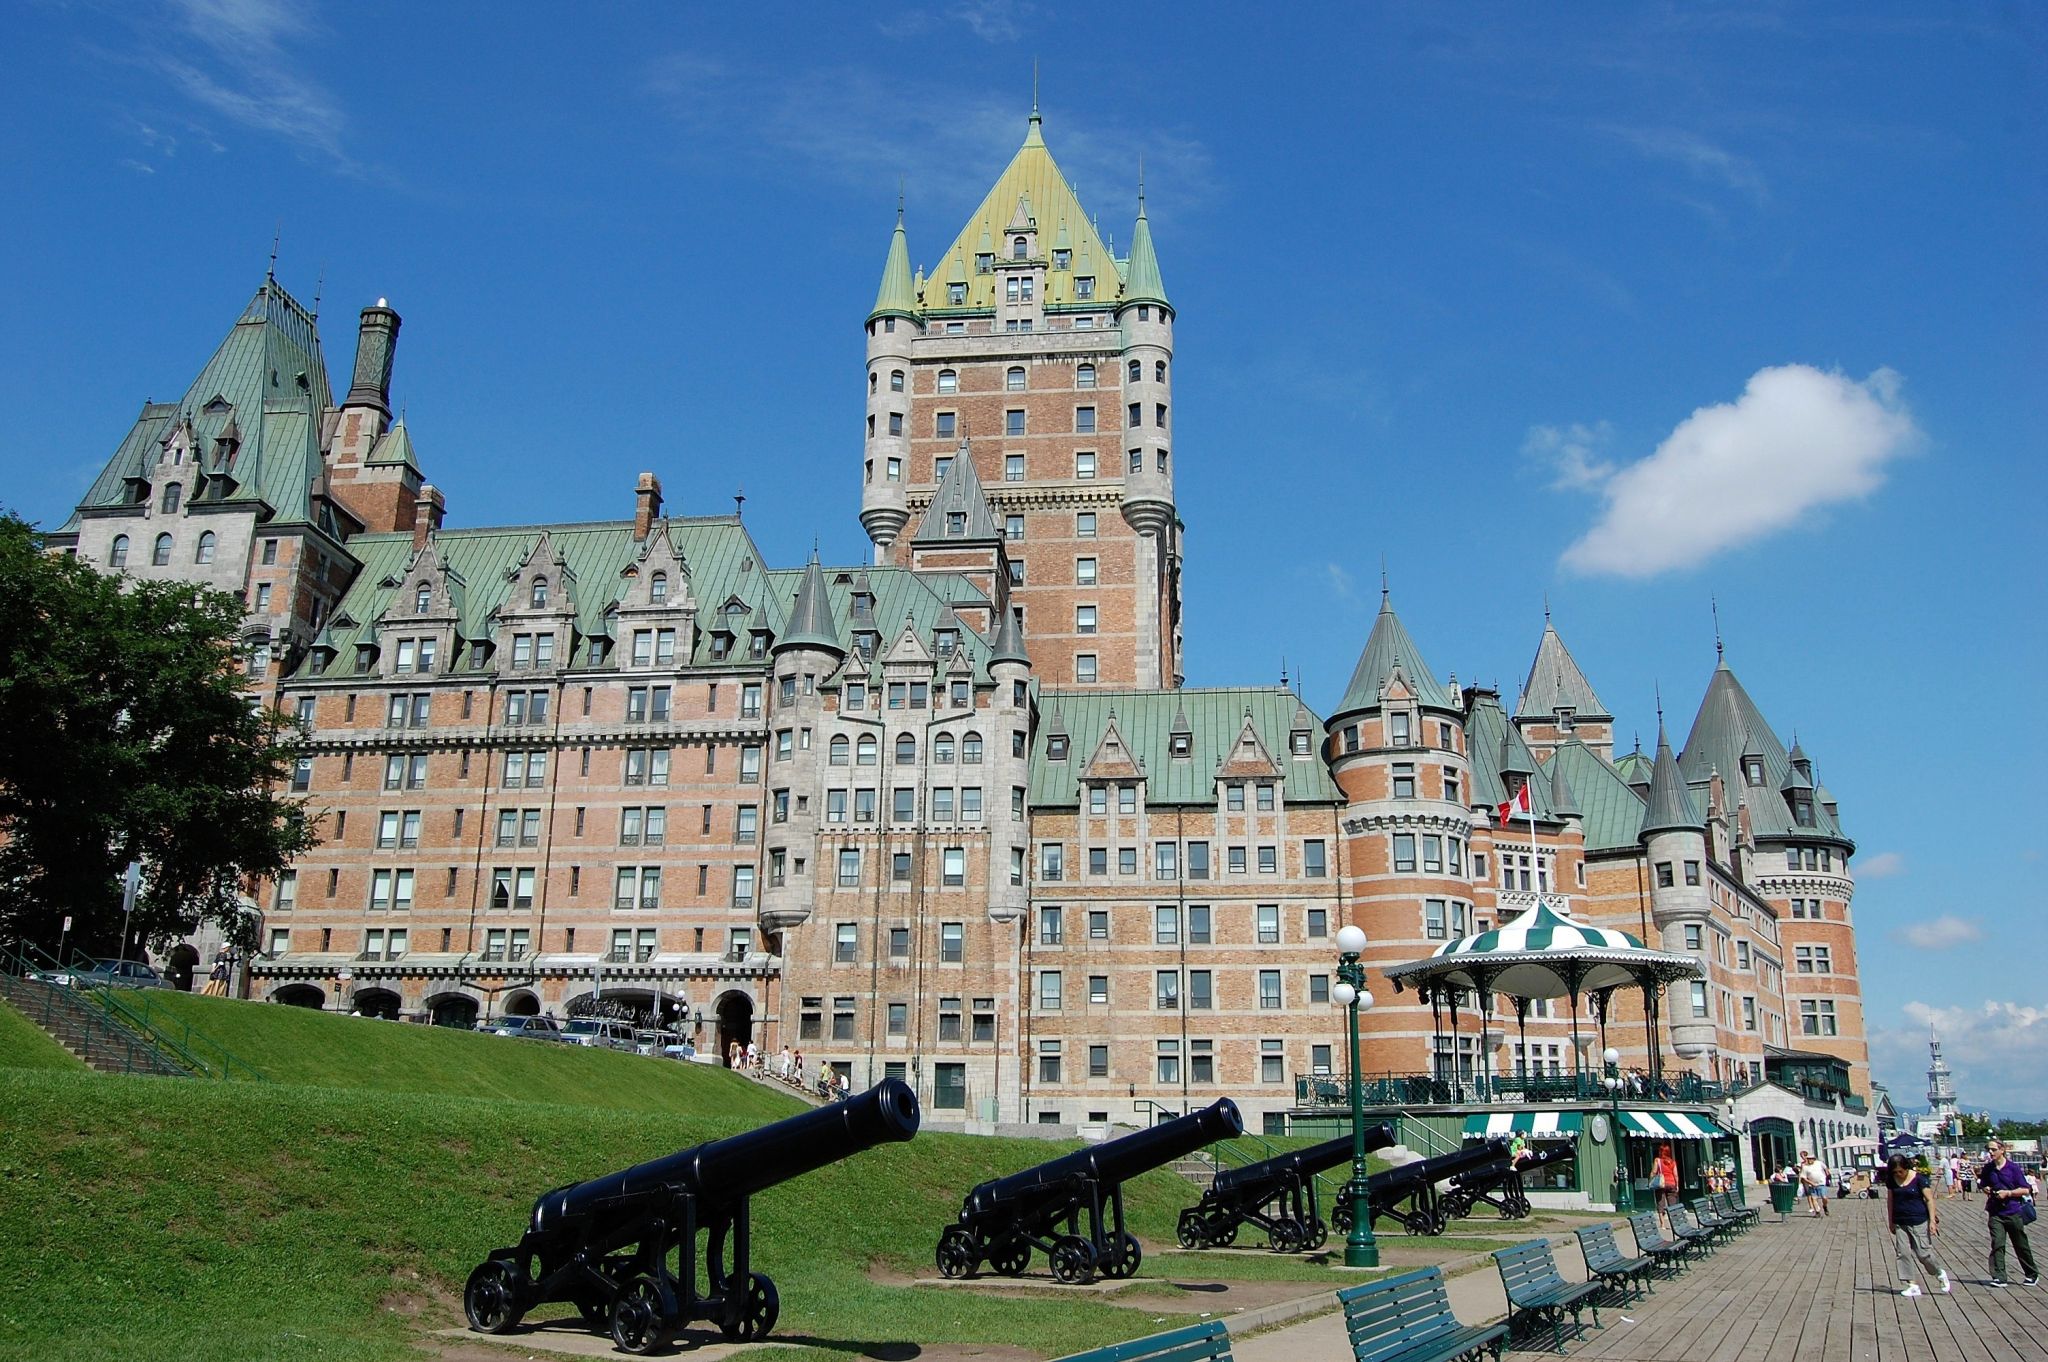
column 80, row 1027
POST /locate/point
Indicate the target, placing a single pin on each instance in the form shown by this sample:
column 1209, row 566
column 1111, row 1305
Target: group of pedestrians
column 2010, row 1196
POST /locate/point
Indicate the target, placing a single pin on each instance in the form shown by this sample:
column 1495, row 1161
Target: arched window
column 1018, row 246
column 906, row 750
column 162, row 556
column 422, row 599
column 1014, row 379
column 174, row 493
column 970, row 748
column 942, row 748
column 895, row 380
column 839, row 749
column 1158, row 371
column 204, row 553
column 657, row 587
column 539, row 598
column 873, row 381
column 1084, row 376
column 1136, row 371
column 865, row 750
column 117, row 553
column 949, row 381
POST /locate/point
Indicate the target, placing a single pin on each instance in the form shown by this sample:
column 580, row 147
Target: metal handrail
column 174, row 1037
column 97, row 1028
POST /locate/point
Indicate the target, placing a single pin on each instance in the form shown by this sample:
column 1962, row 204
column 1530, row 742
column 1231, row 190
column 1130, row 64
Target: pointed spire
column 1561, row 802
column 811, row 622
column 1671, row 808
column 960, row 494
column 1511, row 763
column 1008, row 644
column 1142, row 283
column 1386, row 648
column 1556, row 681
column 1034, row 130
column 896, row 297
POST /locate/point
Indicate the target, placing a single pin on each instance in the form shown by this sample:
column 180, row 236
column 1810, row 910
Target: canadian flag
column 1519, row 804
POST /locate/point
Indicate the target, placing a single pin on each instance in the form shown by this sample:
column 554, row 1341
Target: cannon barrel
column 1299, row 1163
column 1443, row 1166
column 1114, row 1161
column 723, row 1172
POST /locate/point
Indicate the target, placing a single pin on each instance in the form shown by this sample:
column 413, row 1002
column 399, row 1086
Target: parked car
column 539, row 1027
column 663, row 1044
column 599, row 1033
column 106, row 974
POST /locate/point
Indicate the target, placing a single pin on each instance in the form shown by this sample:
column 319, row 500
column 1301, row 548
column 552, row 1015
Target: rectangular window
column 849, row 868
column 1199, row 933
column 1084, row 420
column 1084, row 619
column 1692, row 872
column 1314, row 859
column 1269, row 924
column 1269, row 860
column 1165, row 860
column 1084, row 525
column 1433, row 919
column 1051, row 930
column 1049, row 990
column 1048, row 1061
column 1404, row 851
column 1432, row 853
column 1085, row 668
column 1166, row 925
column 1098, row 1061
column 1085, row 570
column 1233, row 798
column 1198, row 860
column 1272, row 1061
column 1098, row 988
column 1269, row 988
column 1098, row 924
column 1013, row 422
column 899, row 1019
column 1166, row 989
column 1201, row 990
column 1051, row 861
column 952, row 937
column 1167, row 1057
column 1236, row 860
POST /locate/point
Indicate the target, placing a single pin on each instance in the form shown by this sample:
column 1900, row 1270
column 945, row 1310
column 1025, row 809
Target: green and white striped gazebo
column 1544, row 952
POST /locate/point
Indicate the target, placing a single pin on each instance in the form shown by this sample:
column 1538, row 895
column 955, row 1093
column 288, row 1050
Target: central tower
column 1036, row 352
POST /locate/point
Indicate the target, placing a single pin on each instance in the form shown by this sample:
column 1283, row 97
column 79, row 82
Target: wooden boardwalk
column 1827, row 1291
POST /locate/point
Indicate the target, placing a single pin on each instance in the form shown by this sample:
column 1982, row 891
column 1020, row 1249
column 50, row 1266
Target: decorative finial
column 1034, row 89
column 1283, row 676
column 739, row 503
column 276, row 238
column 1384, row 592
column 319, row 288
column 1546, row 607
column 1658, row 690
column 1141, row 184
column 1720, row 654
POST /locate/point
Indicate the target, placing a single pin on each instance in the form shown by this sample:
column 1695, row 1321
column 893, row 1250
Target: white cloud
column 1941, row 933
column 1700, row 158
column 1798, row 439
column 247, row 71
column 1994, row 1048
column 1884, row 865
column 1570, row 453
column 1342, row 583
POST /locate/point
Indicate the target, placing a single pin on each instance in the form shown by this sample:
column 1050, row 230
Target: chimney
column 428, row 509
column 376, row 342
column 647, row 504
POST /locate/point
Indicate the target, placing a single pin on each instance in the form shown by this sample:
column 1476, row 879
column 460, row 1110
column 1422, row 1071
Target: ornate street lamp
column 1624, row 1184
column 1361, row 1249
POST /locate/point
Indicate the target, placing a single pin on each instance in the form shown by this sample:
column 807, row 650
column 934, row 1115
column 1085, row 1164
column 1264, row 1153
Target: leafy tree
column 127, row 733
column 1976, row 1128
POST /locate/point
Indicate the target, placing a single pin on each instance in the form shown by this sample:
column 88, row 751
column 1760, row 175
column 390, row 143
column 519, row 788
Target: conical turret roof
column 1387, row 647
column 1561, row 802
column 1729, row 734
column 960, row 493
column 897, row 295
column 811, row 623
column 1556, row 682
column 1142, row 283
column 1008, row 644
column 1671, row 807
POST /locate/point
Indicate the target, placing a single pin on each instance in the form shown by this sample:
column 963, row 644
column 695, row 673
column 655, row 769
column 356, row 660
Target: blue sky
column 1636, row 307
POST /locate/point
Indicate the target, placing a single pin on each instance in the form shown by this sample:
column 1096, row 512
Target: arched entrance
column 381, row 1003
column 300, row 995
column 522, row 1003
column 183, row 960
column 735, row 1023
column 454, row 1010
column 1772, row 1145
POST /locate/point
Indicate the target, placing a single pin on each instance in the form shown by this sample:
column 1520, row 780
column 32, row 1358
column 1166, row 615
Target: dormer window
column 1020, row 247
column 423, row 600
column 1802, row 811
column 537, row 598
column 945, row 640
column 1061, row 259
column 657, row 587
column 1182, row 744
column 1084, row 287
column 956, row 294
column 1565, row 720
column 173, row 493
column 1753, row 770
column 956, row 524
column 1397, row 728
column 984, row 262
column 1056, row 747
column 1299, row 742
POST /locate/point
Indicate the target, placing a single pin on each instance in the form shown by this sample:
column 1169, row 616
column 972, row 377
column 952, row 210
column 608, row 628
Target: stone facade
column 948, row 814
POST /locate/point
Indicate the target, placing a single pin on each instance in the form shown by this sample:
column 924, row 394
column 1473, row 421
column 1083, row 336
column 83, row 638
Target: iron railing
column 1406, row 1090
column 137, row 1014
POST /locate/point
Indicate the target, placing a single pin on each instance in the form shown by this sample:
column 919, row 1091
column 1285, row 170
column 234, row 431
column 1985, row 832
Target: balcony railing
column 1401, row 1090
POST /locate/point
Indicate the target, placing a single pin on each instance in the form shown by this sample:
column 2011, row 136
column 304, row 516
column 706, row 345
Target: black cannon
column 1415, row 1185
column 1502, row 1188
column 1043, row 1208
column 623, row 1248
column 1278, row 1195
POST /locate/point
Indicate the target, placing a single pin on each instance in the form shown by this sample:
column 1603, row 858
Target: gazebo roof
column 1545, row 953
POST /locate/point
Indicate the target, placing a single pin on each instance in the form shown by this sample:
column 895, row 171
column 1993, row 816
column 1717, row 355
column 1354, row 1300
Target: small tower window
column 1136, row 371
column 895, row 380
column 956, row 294
column 117, row 553
column 956, row 523
column 657, row 587
column 538, row 597
column 949, row 381
column 162, row 556
column 204, row 554
column 1084, row 376
column 423, row 599
column 173, row 494
column 1013, row 380
column 1019, row 246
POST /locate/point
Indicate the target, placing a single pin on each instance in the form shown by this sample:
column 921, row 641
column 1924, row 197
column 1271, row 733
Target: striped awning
column 1672, row 1125
column 1536, row 1125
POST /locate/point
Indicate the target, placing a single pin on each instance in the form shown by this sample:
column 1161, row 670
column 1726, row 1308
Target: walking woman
column 2009, row 1200
column 1914, row 1224
column 1664, row 1179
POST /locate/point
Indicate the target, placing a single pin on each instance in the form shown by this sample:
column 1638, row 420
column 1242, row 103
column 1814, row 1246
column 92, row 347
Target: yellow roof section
column 1034, row 176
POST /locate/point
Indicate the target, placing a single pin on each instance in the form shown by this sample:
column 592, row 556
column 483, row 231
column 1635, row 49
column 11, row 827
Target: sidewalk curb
column 1264, row 1317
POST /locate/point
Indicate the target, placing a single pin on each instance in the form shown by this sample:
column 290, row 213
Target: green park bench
column 1537, row 1295
column 1666, row 1250
column 1197, row 1343
column 1683, row 1225
column 1605, row 1260
column 1709, row 1218
column 1746, row 1216
column 1408, row 1319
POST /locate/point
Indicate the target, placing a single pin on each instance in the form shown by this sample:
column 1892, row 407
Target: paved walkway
column 1802, row 1291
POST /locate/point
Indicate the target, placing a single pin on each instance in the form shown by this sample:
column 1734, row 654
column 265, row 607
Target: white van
column 600, row 1032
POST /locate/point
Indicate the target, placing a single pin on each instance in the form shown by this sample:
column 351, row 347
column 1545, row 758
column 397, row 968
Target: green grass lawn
column 24, row 1045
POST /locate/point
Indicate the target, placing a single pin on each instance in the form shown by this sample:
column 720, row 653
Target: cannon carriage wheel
column 1287, row 1236
column 757, row 1309
column 1073, row 1259
column 957, row 1255
column 644, row 1315
column 491, row 1296
column 1125, row 1258
column 1318, row 1235
column 1189, row 1231
column 1012, row 1258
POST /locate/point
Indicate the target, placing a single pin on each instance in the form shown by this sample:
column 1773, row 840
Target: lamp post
column 1624, row 1184
column 1360, row 1249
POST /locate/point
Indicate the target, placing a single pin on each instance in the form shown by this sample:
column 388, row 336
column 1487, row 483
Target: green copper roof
column 1387, row 647
column 394, row 447
column 1489, row 737
column 1146, row 720
column 897, row 295
column 1561, row 801
column 1008, row 644
column 1729, row 726
column 810, row 619
column 1142, row 283
column 268, row 378
column 1671, row 807
column 960, row 494
column 1611, row 814
column 1555, row 682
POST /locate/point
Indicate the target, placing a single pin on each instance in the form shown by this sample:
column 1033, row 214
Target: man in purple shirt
column 2008, row 1196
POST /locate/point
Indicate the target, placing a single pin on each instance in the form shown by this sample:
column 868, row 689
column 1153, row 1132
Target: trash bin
column 1784, row 1196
